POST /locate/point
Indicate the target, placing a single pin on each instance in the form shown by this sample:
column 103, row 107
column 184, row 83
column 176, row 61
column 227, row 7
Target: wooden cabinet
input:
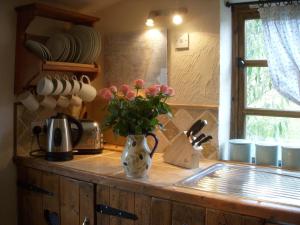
column 77, row 202
column 183, row 214
column 119, row 207
column 38, row 196
column 49, row 199
column 216, row 217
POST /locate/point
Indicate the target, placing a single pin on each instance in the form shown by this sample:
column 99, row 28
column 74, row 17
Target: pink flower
column 170, row 92
column 130, row 95
column 113, row 89
column 106, row 94
column 139, row 84
column 164, row 89
column 153, row 90
column 125, row 88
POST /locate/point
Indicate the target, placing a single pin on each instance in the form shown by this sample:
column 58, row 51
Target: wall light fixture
column 177, row 16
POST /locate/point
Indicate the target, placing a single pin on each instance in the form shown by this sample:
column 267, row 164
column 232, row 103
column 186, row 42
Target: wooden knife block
column 181, row 153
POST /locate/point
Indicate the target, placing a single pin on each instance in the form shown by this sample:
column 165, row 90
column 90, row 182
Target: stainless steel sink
column 251, row 182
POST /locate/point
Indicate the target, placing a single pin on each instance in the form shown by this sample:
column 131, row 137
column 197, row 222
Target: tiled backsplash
column 183, row 118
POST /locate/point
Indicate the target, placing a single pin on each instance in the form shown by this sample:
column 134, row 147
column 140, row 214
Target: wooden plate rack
column 27, row 65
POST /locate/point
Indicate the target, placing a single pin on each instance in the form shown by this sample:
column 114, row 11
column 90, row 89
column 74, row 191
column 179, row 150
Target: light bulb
column 177, row 19
column 150, row 22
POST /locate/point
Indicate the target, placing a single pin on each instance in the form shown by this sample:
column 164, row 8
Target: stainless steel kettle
column 60, row 140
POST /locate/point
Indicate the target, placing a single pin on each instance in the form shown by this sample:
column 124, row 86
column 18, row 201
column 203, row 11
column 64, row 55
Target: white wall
column 225, row 78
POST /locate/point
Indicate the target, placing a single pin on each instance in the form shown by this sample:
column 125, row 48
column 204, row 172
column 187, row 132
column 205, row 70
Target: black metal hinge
column 104, row 209
column 33, row 188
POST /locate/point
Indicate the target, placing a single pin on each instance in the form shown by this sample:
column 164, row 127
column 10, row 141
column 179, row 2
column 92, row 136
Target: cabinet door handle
column 51, row 218
column 104, row 209
column 33, row 188
column 86, row 221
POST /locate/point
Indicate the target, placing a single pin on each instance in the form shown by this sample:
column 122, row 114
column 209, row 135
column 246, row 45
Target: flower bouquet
column 132, row 113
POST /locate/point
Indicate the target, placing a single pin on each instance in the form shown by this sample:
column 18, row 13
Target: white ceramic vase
column 137, row 156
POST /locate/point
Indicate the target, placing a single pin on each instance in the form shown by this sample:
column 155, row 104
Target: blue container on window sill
column 240, row 150
column 266, row 154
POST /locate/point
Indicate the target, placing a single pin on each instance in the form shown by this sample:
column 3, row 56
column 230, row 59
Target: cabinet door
column 38, row 192
column 216, row 217
column 187, row 215
column 30, row 200
column 76, row 202
column 161, row 212
column 120, row 205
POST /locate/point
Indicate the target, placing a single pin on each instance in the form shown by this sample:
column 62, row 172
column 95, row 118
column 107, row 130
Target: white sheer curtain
column 281, row 27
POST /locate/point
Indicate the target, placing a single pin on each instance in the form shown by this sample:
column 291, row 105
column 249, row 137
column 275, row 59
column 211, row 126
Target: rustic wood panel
column 123, row 200
column 102, row 197
column 253, row 221
column 187, row 214
column 216, row 217
column 142, row 208
column 51, row 184
column 161, row 212
column 34, row 201
column 87, row 202
column 69, row 192
column 22, row 198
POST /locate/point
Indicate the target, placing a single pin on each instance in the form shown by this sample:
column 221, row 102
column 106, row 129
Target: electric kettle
column 60, row 139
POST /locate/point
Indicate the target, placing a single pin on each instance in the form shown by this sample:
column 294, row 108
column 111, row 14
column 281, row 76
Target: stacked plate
column 81, row 44
column 89, row 42
column 39, row 49
column 59, row 45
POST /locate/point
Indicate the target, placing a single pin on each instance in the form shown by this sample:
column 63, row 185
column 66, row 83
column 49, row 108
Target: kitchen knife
column 206, row 139
column 196, row 127
column 197, row 139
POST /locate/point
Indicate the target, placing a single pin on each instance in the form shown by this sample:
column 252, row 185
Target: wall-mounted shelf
column 42, row 10
column 28, row 66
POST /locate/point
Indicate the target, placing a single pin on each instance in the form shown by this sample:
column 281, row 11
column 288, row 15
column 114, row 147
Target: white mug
column 75, row 100
column 48, row 102
column 57, row 87
column 44, row 86
column 87, row 92
column 29, row 101
column 75, row 85
column 63, row 102
column 266, row 154
column 67, row 87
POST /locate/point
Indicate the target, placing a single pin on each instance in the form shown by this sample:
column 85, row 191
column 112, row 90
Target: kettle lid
column 59, row 116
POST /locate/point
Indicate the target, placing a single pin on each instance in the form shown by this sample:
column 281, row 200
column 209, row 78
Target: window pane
column 260, row 92
column 264, row 128
column 254, row 43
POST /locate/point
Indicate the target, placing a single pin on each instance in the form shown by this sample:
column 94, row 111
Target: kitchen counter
column 106, row 169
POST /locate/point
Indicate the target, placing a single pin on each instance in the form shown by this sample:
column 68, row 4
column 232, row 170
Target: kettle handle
column 80, row 130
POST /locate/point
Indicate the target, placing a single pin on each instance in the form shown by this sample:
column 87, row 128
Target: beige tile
column 163, row 119
column 163, row 142
column 183, row 120
column 170, row 131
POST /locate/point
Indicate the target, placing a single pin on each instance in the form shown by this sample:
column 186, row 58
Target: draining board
column 251, row 182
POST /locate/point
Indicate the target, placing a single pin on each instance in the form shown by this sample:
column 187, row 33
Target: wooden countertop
column 106, row 169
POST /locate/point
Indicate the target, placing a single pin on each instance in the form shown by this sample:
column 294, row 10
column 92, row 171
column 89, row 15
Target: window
column 259, row 112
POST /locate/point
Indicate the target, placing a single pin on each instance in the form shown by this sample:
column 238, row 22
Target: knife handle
column 196, row 127
column 197, row 139
column 206, row 139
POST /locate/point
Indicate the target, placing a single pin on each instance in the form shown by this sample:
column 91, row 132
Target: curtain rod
column 286, row 2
